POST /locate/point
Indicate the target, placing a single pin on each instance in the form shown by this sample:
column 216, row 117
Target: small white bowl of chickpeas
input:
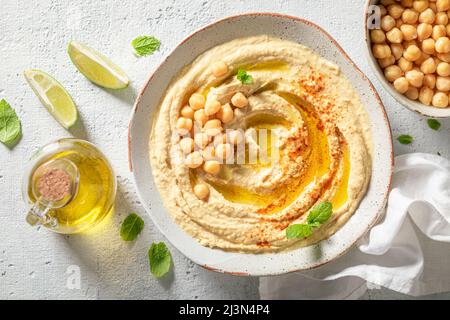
column 408, row 44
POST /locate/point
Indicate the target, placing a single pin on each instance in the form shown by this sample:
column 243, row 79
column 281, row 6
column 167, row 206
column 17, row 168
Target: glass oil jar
column 69, row 186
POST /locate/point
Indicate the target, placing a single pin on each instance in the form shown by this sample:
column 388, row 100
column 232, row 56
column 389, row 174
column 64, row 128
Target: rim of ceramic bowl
column 380, row 105
column 420, row 108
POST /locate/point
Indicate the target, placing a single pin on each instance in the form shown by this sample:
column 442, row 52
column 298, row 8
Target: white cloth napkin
column 407, row 251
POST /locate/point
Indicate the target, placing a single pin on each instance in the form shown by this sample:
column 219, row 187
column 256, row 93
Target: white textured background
column 34, row 34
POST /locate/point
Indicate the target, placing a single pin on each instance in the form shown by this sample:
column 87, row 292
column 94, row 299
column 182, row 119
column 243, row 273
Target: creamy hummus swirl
column 323, row 147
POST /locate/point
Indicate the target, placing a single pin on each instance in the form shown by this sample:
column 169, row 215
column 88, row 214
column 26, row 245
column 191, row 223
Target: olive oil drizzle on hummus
column 317, row 161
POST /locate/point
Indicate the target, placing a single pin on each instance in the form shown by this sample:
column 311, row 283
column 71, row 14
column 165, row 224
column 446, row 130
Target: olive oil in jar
column 70, row 185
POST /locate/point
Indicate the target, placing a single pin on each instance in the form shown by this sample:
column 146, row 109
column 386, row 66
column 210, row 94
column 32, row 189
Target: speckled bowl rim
column 415, row 106
column 380, row 105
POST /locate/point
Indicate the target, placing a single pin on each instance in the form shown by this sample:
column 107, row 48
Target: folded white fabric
column 407, row 251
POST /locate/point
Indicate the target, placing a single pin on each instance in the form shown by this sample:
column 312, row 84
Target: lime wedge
column 96, row 67
column 53, row 96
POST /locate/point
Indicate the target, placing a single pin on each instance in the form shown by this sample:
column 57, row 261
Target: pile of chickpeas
column 413, row 48
column 200, row 124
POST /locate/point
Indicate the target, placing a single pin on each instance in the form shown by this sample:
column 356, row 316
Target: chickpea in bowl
column 409, row 48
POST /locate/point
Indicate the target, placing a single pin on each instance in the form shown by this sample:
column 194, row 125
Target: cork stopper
column 55, row 182
column 54, row 185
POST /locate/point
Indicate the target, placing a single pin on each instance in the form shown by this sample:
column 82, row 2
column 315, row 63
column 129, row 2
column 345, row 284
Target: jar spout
column 38, row 215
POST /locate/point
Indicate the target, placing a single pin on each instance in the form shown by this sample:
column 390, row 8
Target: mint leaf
column 131, row 227
column 320, row 213
column 405, row 139
column 10, row 127
column 434, row 124
column 298, row 231
column 145, row 45
column 160, row 259
column 244, row 77
column 315, row 224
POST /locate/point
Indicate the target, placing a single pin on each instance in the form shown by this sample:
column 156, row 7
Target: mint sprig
column 405, row 139
column 244, row 77
column 145, row 45
column 298, row 231
column 434, row 124
column 131, row 227
column 10, row 126
column 160, row 259
column 320, row 213
column 316, row 217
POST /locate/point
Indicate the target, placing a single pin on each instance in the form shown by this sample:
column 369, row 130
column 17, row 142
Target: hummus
column 322, row 142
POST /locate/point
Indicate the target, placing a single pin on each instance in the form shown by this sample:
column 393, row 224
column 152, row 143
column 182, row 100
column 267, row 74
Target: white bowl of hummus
column 246, row 133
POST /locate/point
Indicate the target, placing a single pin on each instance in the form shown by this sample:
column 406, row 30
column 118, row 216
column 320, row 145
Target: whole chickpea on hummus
column 413, row 48
column 274, row 97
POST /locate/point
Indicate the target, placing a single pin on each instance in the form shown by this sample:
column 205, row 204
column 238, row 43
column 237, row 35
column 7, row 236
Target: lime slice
column 96, row 67
column 53, row 96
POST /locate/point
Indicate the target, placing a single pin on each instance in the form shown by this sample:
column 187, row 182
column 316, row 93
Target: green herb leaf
column 244, row 77
column 320, row 213
column 298, row 231
column 405, row 139
column 131, row 227
column 316, row 217
column 160, row 259
column 10, row 127
column 434, row 124
column 315, row 224
column 145, row 45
